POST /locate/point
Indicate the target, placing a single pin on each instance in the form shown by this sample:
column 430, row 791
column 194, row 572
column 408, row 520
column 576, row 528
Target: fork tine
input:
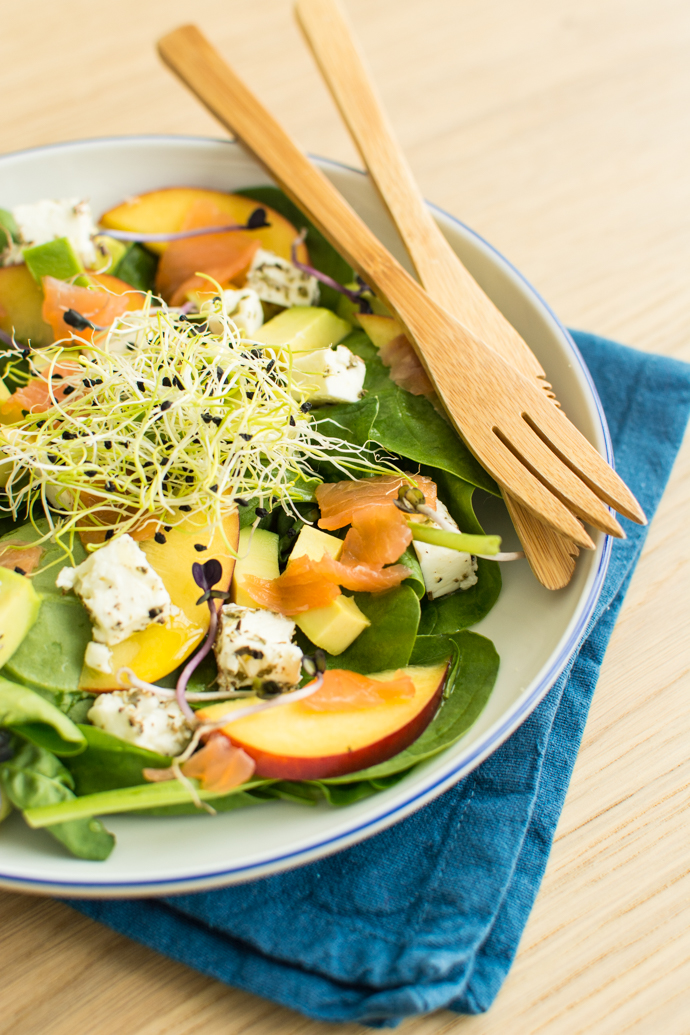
column 512, row 475
column 564, row 483
column 580, row 456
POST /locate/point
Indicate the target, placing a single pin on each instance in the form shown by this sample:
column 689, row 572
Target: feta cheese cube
column 243, row 307
column 141, row 718
column 276, row 280
column 46, row 220
column 444, row 570
column 120, row 590
column 98, row 656
column 332, row 375
column 256, row 644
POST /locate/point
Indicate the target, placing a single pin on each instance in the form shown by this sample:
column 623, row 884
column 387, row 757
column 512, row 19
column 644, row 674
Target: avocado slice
column 19, row 605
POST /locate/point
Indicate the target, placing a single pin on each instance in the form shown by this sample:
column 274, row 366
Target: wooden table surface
column 559, row 131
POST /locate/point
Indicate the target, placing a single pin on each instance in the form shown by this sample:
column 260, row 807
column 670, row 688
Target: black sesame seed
column 178, row 383
column 250, row 395
column 110, row 533
column 86, row 381
column 199, row 547
column 25, row 352
column 40, row 423
column 166, row 382
column 213, row 488
column 206, row 418
column 293, row 422
column 262, row 512
column 168, row 528
column 185, row 507
column 292, row 533
column 165, row 405
column 306, row 407
column 160, row 538
column 19, row 571
column 108, row 444
column 67, row 435
column 245, row 436
column 217, row 421
column 220, row 373
column 270, row 366
column 52, row 458
column 110, row 487
column 141, row 386
column 189, row 478
column 68, row 389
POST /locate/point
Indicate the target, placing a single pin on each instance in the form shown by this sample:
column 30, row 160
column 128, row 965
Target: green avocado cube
column 303, row 328
column 19, row 604
column 55, row 259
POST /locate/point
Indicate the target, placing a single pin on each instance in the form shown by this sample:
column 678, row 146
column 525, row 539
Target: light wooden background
column 558, row 130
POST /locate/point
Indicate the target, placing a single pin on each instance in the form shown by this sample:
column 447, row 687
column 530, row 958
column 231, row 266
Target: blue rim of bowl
column 493, row 738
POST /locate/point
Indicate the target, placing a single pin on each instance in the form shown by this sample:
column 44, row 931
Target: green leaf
column 130, row 799
column 322, row 255
column 474, row 667
column 416, row 579
column 389, row 640
column 466, row 607
column 37, row 720
column 51, row 655
column 9, row 231
column 109, row 763
column 405, row 424
column 36, row 779
column 137, row 267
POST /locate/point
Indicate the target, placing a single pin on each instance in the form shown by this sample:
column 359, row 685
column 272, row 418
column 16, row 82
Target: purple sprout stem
column 179, row 235
column 195, row 661
column 311, row 271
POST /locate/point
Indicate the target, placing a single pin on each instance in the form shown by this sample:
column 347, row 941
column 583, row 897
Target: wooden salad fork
column 331, row 39
column 509, row 424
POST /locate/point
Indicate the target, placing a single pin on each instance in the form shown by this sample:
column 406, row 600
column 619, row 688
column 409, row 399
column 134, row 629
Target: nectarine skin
column 255, row 737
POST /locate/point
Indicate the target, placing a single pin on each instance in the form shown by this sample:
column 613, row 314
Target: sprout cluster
column 159, row 417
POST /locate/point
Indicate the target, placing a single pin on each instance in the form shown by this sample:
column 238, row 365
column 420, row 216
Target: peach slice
column 290, row 742
column 161, row 648
column 165, row 211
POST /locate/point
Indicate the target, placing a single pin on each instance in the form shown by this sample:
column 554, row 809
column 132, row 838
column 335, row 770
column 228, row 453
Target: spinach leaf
column 405, row 424
column 109, row 763
column 34, row 778
column 137, row 267
column 50, row 656
column 389, row 640
column 322, row 255
column 37, row 720
column 474, row 667
column 465, row 607
column 416, row 579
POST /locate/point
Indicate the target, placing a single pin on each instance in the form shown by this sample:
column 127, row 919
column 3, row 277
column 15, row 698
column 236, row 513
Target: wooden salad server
column 332, row 42
column 510, row 425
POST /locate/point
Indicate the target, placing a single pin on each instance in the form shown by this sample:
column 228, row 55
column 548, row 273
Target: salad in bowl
column 239, row 559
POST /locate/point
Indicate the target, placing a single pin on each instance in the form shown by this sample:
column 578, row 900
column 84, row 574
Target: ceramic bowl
column 535, row 631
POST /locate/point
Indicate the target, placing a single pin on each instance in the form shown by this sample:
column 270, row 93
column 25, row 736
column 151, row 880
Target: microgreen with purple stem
column 355, row 296
column 206, row 576
column 256, row 221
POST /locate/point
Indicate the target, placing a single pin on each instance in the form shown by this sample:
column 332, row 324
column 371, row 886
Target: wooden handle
column 334, row 46
column 440, row 270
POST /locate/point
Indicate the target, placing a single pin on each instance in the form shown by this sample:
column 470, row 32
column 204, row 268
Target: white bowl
column 535, row 631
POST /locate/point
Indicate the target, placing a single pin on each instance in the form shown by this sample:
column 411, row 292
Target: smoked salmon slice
column 101, row 304
column 18, row 554
column 347, row 691
column 340, row 501
column 404, row 367
column 225, row 257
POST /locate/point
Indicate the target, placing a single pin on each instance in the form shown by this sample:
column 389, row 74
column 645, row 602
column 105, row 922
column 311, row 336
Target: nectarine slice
column 165, row 211
column 290, row 742
column 161, row 648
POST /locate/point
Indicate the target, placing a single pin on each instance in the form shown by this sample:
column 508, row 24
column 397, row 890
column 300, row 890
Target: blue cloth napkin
column 429, row 913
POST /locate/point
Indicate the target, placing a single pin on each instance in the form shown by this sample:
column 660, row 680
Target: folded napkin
column 429, row 913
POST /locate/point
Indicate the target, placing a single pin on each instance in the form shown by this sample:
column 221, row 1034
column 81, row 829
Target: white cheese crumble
column 444, row 570
column 276, row 280
column 120, row 590
column 46, row 220
column 98, row 657
column 242, row 306
column 330, row 375
column 140, row 718
column 255, row 644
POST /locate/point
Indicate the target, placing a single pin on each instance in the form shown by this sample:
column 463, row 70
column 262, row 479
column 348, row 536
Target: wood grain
column 559, row 132
column 341, row 63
